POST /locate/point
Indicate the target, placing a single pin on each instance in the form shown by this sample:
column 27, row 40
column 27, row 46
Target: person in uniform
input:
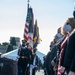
column 24, row 58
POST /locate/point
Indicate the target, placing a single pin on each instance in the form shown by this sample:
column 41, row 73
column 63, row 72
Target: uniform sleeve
column 18, row 52
column 30, row 57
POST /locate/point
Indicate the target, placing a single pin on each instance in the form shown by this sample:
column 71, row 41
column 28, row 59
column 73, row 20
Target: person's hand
column 31, row 66
column 53, row 63
column 71, row 73
column 62, row 69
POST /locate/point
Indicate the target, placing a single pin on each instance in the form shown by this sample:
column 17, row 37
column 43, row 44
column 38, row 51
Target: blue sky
column 50, row 15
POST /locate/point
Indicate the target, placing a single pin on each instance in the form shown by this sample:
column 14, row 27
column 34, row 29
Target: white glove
column 31, row 66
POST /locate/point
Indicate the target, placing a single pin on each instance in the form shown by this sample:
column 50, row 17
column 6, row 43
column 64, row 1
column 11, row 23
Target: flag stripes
column 26, row 31
column 31, row 31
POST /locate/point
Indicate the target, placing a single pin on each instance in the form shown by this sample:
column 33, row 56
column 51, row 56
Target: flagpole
column 28, row 3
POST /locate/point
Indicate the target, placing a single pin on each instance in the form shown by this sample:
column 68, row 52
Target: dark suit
column 69, row 57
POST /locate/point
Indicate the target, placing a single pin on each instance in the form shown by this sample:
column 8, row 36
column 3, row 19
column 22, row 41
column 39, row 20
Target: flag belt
column 23, row 57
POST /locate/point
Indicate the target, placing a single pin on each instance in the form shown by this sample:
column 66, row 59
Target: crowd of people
column 60, row 60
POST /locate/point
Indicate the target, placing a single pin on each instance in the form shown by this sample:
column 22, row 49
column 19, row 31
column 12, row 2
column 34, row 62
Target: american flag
column 28, row 31
column 31, row 25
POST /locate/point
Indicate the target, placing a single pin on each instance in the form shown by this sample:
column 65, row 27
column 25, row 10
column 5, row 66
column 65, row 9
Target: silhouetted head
column 74, row 13
column 23, row 43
